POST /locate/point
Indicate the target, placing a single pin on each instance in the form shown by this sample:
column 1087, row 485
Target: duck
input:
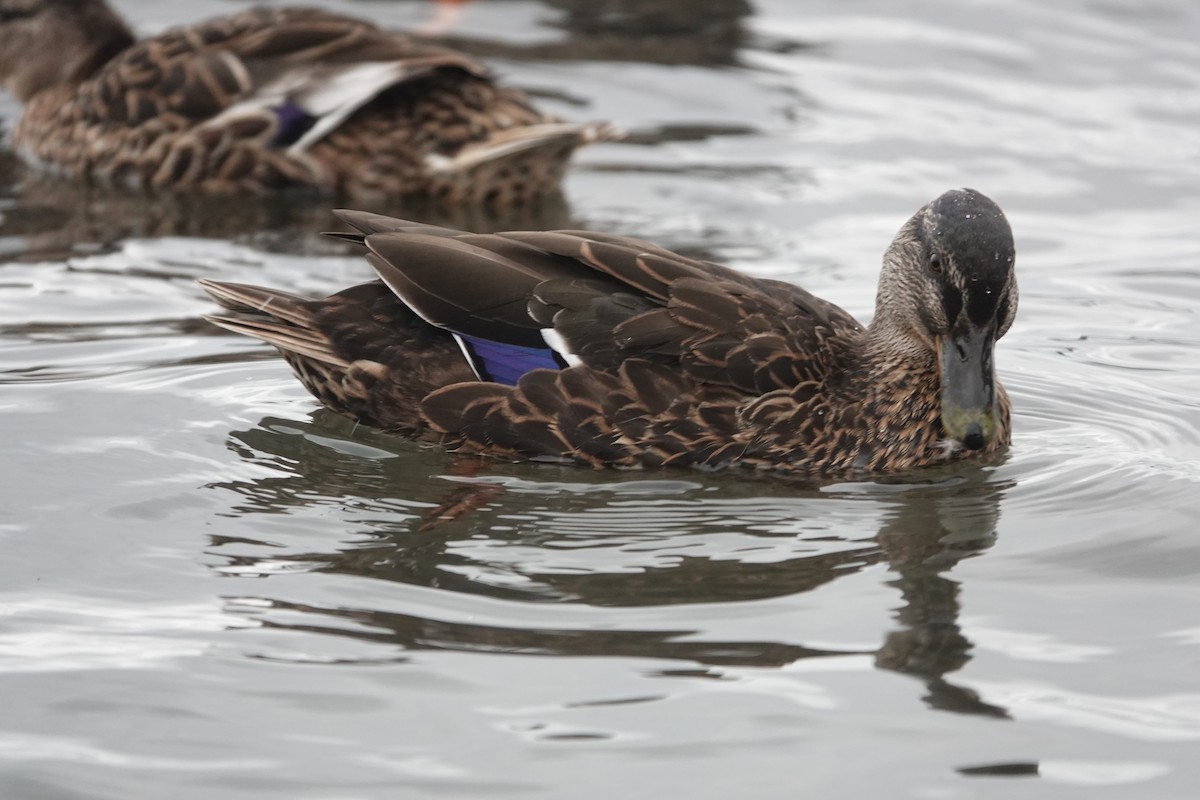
column 269, row 99
column 610, row 351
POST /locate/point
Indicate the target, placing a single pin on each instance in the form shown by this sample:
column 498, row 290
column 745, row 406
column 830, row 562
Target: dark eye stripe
column 952, row 302
column 982, row 304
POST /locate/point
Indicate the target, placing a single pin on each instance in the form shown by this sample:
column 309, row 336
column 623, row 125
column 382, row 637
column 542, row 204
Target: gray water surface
column 211, row 588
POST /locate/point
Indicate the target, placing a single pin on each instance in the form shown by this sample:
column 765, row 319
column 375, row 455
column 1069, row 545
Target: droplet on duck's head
column 953, row 207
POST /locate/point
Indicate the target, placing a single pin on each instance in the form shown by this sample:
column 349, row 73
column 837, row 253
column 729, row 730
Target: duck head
column 946, row 294
column 47, row 43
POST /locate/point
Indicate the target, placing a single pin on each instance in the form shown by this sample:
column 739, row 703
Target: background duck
column 608, row 350
column 271, row 98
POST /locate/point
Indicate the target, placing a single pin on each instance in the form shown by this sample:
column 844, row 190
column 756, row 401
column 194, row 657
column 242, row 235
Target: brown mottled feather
column 676, row 361
column 360, row 351
column 194, row 108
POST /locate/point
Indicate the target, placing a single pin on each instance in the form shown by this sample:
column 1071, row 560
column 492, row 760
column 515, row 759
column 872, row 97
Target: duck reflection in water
column 50, row 217
column 925, row 530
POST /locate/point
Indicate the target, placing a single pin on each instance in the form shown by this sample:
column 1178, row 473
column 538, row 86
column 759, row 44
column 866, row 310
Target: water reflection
column 653, row 31
column 523, row 533
column 47, row 218
column 672, row 33
column 922, row 543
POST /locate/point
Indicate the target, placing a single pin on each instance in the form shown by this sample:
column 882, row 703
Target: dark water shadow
column 48, row 218
column 415, row 516
column 45, row 218
column 651, row 31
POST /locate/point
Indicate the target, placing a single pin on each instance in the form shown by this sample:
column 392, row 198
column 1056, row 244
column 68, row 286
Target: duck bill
column 968, row 388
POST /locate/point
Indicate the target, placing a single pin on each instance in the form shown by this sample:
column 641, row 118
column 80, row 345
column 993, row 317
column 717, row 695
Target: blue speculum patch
column 294, row 122
column 506, row 363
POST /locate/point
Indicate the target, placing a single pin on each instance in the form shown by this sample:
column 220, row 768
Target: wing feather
column 462, row 287
column 611, row 299
column 250, row 64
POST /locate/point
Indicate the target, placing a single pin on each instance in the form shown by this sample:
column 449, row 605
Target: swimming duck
column 271, row 98
column 612, row 351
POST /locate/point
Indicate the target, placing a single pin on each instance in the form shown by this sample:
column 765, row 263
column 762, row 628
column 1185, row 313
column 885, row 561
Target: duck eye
column 935, row 263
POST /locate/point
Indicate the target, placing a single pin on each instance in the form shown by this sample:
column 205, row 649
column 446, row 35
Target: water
column 212, row 589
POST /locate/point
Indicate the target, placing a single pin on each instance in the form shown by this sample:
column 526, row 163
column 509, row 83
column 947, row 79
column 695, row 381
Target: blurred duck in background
column 273, row 98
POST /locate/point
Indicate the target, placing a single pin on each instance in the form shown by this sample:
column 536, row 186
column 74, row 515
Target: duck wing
column 607, row 349
column 599, row 300
column 295, row 73
column 714, row 324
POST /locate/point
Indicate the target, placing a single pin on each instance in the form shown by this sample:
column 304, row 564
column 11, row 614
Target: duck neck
column 896, row 360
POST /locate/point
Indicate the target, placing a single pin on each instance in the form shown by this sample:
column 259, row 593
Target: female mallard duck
column 270, row 98
column 608, row 350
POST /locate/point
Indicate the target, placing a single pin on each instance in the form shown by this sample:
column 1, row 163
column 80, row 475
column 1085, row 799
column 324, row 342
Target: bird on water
column 607, row 350
column 272, row 98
